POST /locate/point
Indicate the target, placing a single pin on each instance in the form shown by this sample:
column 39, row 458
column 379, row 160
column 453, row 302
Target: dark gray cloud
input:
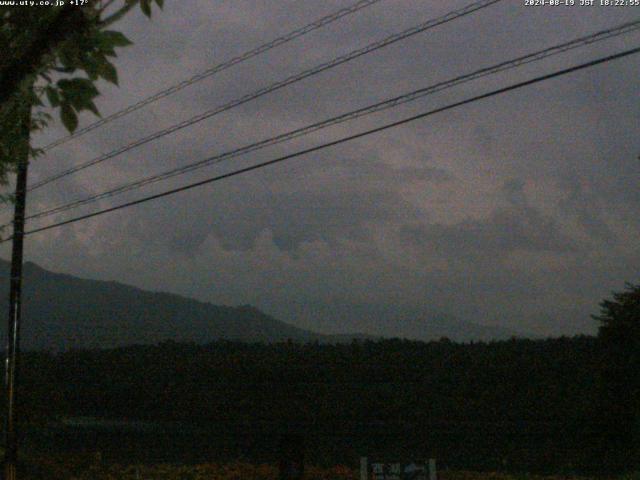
column 521, row 210
column 514, row 227
column 344, row 208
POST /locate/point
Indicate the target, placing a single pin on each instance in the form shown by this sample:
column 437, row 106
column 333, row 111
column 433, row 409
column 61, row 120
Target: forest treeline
column 528, row 405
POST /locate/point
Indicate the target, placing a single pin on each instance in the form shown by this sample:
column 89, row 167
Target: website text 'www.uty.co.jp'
column 42, row 3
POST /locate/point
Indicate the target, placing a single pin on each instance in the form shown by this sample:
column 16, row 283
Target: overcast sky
column 521, row 210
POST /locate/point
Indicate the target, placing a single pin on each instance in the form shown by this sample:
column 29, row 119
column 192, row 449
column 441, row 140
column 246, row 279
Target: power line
column 326, row 20
column 234, row 173
column 453, row 15
column 377, row 107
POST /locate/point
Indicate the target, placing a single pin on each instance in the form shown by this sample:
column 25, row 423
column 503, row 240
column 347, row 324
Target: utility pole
column 15, row 288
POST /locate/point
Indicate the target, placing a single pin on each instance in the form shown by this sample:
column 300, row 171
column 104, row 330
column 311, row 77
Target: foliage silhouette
column 55, row 55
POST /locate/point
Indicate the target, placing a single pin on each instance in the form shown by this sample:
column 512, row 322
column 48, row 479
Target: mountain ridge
column 61, row 311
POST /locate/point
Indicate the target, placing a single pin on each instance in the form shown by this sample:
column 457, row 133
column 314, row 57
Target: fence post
column 364, row 468
column 432, row 469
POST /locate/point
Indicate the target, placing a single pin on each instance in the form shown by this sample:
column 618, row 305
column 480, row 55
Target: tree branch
column 106, row 5
column 114, row 17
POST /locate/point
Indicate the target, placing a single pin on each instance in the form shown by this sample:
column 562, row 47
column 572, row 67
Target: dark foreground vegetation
column 521, row 405
column 561, row 406
column 80, row 468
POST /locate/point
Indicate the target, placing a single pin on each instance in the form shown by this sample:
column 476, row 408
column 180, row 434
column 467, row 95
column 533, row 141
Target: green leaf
column 80, row 87
column 52, row 96
column 68, row 117
column 70, row 55
column 92, row 108
column 92, row 67
column 78, row 94
column 145, row 6
column 109, row 73
column 66, row 60
column 115, row 39
column 160, row 3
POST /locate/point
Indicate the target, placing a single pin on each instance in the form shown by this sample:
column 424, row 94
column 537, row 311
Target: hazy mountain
column 417, row 323
column 62, row 311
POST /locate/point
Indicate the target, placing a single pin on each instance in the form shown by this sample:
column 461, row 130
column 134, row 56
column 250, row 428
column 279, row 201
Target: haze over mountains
column 62, row 311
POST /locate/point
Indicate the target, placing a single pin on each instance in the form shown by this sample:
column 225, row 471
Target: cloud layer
column 519, row 211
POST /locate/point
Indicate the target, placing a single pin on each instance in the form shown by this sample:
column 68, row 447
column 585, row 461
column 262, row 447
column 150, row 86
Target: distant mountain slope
column 417, row 323
column 62, row 311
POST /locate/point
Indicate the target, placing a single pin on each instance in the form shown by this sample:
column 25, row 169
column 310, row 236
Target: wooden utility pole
column 15, row 289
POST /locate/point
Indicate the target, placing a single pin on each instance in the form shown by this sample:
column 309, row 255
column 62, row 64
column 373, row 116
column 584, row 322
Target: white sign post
column 432, row 469
column 397, row 471
column 364, row 468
